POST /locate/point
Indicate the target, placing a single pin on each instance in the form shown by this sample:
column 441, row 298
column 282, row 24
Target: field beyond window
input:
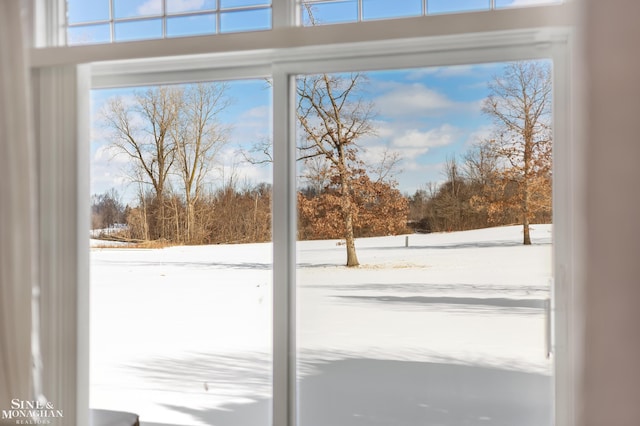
column 424, row 246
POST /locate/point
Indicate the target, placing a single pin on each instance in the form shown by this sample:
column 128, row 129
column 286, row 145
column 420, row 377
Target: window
column 316, row 12
column 181, row 248
column 435, row 319
column 108, row 21
column 119, row 20
column 281, row 55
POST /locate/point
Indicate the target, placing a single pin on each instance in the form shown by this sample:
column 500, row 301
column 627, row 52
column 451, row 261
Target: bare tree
column 107, row 210
column 480, row 164
column 387, row 166
column 316, row 174
column 520, row 105
column 141, row 131
column 333, row 116
column 198, row 136
column 451, row 203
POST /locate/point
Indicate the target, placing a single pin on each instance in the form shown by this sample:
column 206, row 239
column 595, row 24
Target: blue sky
column 142, row 19
column 325, row 12
column 425, row 115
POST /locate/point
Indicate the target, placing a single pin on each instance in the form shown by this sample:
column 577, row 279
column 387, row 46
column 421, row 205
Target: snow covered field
column 447, row 331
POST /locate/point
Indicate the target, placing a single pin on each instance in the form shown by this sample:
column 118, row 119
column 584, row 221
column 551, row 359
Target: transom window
column 315, row 12
column 105, row 21
column 108, row 21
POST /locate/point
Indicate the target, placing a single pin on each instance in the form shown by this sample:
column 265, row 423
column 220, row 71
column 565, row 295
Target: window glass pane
column 85, row 11
column 331, row 12
column 191, row 25
column 177, row 6
column 380, row 9
column 133, row 8
column 445, row 6
column 181, row 278
column 224, row 4
column 89, row 34
column 138, row 30
column 518, row 3
column 247, row 20
column 441, row 318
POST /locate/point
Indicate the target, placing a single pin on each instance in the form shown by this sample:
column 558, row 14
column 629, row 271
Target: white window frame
column 62, row 79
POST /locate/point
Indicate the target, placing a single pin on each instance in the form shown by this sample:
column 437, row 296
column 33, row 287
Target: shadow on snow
column 364, row 392
column 498, row 302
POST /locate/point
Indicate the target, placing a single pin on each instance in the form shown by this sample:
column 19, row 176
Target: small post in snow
column 406, row 241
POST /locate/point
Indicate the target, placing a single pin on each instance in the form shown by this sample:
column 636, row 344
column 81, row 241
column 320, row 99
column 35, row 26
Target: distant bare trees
column 168, row 131
column 107, row 210
column 198, row 136
column 173, row 137
column 505, row 179
column 141, row 132
column 473, row 198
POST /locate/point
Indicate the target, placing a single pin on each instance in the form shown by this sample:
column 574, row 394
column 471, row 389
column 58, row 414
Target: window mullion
column 284, row 243
column 112, row 25
column 61, row 99
column 164, row 18
column 285, row 13
column 50, row 23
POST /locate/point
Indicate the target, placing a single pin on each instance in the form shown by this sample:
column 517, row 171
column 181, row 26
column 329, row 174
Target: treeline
column 243, row 215
column 477, row 193
column 172, row 137
column 224, row 216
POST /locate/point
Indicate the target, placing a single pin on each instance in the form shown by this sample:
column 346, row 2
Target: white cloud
column 421, row 141
column 384, row 131
column 184, row 5
column 150, row 7
column 250, row 127
column 412, row 99
column 109, row 171
column 373, row 154
column 154, row 7
column 449, row 71
column 230, row 165
column 532, row 2
column 105, row 153
column 482, row 133
column 262, row 112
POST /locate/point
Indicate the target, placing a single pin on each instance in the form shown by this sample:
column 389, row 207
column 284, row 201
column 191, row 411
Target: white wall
column 611, row 374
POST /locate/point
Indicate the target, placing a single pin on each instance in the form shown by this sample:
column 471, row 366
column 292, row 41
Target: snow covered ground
column 447, row 331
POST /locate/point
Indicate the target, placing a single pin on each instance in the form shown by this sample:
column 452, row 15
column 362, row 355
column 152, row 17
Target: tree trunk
column 347, row 214
column 352, row 258
column 190, row 221
column 176, row 216
column 528, row 158
column 145, row 222
column 525, row 226
column 525, row 213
